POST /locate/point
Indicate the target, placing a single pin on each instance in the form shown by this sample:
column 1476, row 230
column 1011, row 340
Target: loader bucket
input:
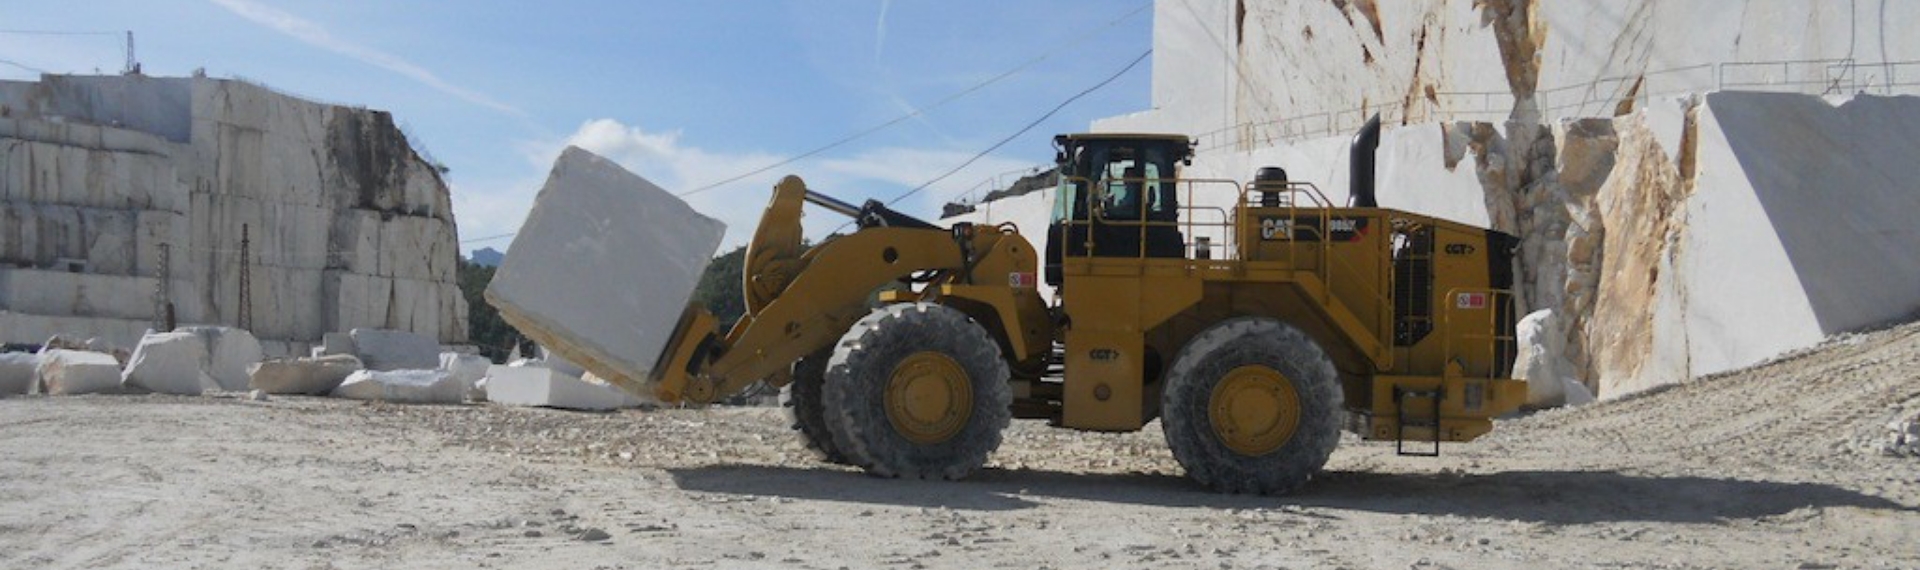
column 603, row 268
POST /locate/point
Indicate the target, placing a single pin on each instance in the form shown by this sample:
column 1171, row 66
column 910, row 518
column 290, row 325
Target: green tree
column 485, row 328
column 719, row 289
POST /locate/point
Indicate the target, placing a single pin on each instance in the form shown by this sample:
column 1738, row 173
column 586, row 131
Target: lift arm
column 800, row 300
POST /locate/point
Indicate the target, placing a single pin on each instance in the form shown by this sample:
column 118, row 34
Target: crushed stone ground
column 1777, row 466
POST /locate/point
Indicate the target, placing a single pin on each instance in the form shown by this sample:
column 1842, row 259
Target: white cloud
column 666, row 160
column 317, row 36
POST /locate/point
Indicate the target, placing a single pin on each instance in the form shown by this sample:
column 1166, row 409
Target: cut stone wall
column 98, row 173
column 1697, row 186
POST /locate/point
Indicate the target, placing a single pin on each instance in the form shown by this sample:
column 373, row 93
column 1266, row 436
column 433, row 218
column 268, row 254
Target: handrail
column 1812, row 76
column 1494, row 299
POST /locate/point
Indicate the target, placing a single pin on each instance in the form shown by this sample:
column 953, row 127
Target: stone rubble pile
column 312, row 376
column 192, row 361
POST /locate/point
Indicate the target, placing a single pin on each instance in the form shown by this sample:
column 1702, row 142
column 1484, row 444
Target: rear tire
column 919, row 391
column 806, row 408
column 1252, row 406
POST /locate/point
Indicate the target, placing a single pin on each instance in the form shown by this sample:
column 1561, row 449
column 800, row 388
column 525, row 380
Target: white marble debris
column 382, row 349
column 229, row 352
column 1541, row 360
column 170, row 363
column 63, row 372
column 469, row 369
column 555, row 361
column 335, row 343
column 544, row 387
column 603, row 267
column 316, row 376
column 17, row 372
column 403, row 386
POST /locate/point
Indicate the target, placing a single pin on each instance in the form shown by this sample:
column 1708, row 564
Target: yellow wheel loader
column 1254, row 320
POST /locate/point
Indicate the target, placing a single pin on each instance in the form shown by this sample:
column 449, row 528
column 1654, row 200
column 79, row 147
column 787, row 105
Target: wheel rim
column 1254, row 410
column 929, row 398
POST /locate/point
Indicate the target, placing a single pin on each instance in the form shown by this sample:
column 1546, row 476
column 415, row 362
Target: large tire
column 806, row 408
column 1252, row 405
column 918, row 391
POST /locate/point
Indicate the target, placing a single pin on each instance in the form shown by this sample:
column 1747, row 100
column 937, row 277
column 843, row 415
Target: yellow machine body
column 1412, row 310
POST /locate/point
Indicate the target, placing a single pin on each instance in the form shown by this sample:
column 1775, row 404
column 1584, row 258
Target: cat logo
column 1104, row 354
column 1459, row 249
column 1276, row 228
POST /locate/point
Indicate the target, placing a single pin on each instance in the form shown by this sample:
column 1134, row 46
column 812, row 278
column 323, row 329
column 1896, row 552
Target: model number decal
column 1307, row 228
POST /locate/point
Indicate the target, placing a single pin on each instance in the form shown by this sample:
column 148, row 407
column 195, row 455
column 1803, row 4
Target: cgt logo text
column 1276, row 228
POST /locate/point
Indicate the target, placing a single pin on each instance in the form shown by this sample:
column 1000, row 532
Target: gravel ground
column 1790, row 464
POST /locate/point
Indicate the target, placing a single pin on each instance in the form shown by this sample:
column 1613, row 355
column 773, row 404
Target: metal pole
column 246, row 280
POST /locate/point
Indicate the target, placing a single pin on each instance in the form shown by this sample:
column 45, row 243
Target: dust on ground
column 1771, row 467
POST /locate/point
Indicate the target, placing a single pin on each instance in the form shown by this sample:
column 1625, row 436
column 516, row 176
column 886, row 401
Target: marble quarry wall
column 1698, row 186
column 114, row 189
column 1246, row 73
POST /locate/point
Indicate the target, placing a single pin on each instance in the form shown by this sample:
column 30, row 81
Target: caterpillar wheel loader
column 1254, row 331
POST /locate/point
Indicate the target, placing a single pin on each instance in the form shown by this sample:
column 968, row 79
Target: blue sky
column 684, row 93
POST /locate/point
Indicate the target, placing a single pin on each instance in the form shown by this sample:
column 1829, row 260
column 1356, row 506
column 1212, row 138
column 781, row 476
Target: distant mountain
column 487, row 256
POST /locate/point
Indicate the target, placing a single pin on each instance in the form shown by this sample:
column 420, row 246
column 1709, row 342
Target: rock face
column 1677, row 220
column 1249, row 74
column 117, row 190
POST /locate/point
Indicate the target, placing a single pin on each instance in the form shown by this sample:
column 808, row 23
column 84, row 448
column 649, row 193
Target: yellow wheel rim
column 929, row 398
column 1254, row 410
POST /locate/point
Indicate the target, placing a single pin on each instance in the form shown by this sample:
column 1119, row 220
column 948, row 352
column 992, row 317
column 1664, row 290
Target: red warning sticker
column 1470, row 301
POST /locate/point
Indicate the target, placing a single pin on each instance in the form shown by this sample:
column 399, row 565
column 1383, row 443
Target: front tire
column 1252, row 406
column 807, row 410
column 917, row 390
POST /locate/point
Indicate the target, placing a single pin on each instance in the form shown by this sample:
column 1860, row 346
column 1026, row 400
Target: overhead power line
column 1023, row 130
column 62, row 33
column 489, row 238
column 863, row 133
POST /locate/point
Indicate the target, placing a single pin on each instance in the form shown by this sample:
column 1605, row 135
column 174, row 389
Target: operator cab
column 1118, row 197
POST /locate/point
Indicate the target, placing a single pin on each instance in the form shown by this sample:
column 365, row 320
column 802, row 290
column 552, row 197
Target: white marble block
column 603, row 267
column 229, row 352
column 544, row 387
column 403, row 386
column 312, row 376
column 382, row 349
column 63, row 372
column 170, row 363
column 17, row 372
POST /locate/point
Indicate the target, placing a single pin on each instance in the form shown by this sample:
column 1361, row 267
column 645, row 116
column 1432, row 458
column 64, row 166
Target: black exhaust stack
column 1360, row 177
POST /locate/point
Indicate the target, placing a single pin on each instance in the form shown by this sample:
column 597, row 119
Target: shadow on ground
column 1560, row 497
